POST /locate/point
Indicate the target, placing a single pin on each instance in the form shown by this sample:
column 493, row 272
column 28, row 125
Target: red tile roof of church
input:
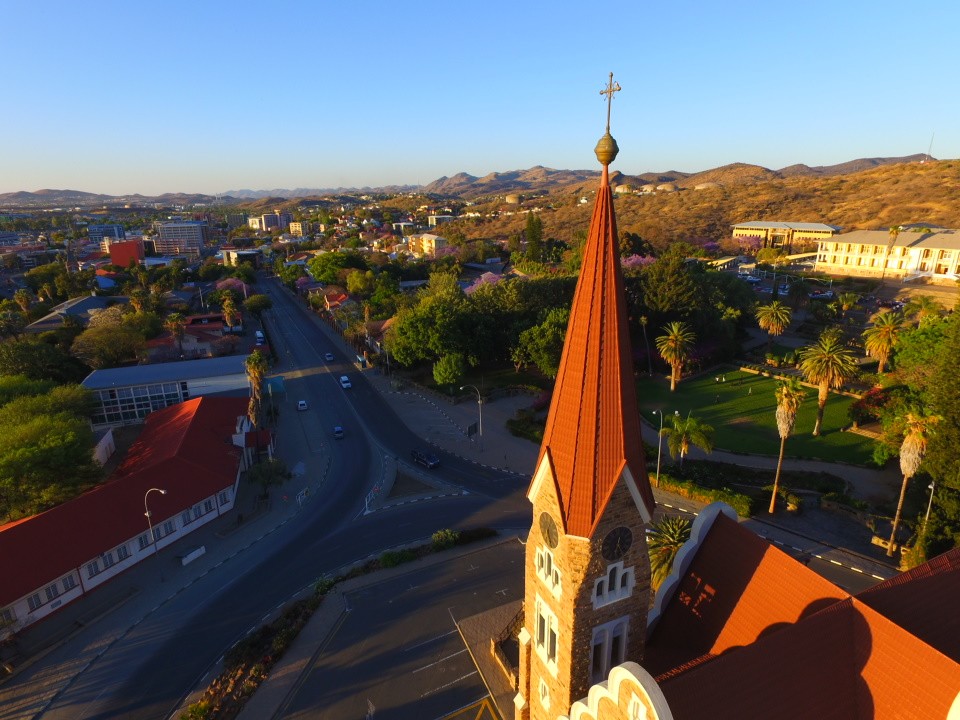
column 593, row 430
column 748, row 626
column 738, row 588
column 924, row 601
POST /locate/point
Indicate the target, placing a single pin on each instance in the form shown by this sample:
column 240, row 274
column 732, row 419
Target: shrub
column 392, row 558
column 443, row 539
column 742, row 504
column 472, row 535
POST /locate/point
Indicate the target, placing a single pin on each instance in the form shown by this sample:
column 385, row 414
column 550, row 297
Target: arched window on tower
column 616, row 584
column 608, row 648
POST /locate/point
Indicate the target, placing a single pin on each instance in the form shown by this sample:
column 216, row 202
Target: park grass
column 742, row 411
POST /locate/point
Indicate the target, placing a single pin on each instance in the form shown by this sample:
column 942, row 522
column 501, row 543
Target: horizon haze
column 293, row 95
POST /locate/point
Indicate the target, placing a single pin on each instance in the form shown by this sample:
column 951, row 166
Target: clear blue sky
column 207, row 95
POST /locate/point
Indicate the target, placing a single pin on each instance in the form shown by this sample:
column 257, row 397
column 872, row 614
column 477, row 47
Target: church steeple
column 592, row 434
column 587, row 570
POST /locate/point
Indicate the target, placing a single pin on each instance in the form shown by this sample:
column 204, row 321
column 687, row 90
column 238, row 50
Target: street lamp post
column 659, row 444
column 146, row 511
column 926, row 518
column 479, row 410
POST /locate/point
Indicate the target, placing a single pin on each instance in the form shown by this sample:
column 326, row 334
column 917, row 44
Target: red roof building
column 193, row 451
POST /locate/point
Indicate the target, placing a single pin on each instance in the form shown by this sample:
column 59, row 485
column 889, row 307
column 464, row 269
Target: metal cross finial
column 612, row 87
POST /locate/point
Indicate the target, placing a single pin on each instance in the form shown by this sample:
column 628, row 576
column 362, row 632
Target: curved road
column 145, row 672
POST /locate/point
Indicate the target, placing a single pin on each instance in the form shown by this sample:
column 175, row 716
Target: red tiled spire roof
column 592, row 436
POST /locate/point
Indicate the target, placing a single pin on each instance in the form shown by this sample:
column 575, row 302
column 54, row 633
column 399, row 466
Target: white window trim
column 544, row 694
column 547, row 571
column 541, row 643
column 602, row 593
column 603, row 635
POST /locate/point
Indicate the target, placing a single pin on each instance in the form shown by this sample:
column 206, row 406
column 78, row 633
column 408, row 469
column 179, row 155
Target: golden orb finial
column 606, row 149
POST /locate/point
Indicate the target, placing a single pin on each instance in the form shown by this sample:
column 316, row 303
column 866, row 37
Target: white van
column 260, row 338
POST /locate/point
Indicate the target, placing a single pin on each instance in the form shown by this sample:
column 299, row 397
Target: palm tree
column 880, row 339
column 231, row 316
column 846, row 301
column 674, row 346
column 923, row 307
column 826, row 364
column 799, row 293
column 139, row 300
column 774, row 319
column 789, row 395
column 644, row 321
column 663, row 543
column 687, row 431
column 914, row 447
column 23, row 298
column 176, row 323
column 256, row 365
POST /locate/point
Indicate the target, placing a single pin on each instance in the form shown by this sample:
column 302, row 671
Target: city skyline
column 120, row 99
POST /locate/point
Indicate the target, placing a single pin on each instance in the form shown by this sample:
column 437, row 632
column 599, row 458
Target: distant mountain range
column 536, row 180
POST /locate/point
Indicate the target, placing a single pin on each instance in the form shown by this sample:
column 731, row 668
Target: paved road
column 139, row 663
column 408, row 669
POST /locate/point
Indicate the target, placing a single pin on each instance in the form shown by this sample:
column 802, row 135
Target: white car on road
column 345, row 382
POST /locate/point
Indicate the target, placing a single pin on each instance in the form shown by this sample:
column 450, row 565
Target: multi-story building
column 301, row 228
column 931, row 254
column 123, row 252
column 784, row 234
column 426, row 244
column 235, row 220
column 182, row 238
column 276, row 220
column 102, row 233
column 434, row 220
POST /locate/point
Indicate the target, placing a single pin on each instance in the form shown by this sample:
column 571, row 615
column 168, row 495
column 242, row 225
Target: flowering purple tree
column 488, row 278
column 637, row 261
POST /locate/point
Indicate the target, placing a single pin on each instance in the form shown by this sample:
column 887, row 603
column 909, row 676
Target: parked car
column 345, row 382
column 752, row 279
column 302, row 405
column 428, row 460
column 822, row 295
column 337, row 432
column 328, row 357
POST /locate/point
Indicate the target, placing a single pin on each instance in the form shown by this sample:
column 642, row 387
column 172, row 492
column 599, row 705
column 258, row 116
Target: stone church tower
column 587, row 569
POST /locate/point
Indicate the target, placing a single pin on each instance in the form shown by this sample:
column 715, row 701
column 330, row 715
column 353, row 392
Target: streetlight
column 926, row 517
column 479, row 410
column 659, row 444
column 146, row 511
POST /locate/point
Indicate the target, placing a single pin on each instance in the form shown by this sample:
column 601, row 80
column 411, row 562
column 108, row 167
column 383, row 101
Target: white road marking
column 425, row 667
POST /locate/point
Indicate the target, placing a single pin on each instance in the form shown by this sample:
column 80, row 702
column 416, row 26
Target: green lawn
column 742, row 412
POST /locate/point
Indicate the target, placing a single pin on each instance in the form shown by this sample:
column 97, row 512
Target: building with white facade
column 784, row 234
column 194, row 451
column 126, row 395
column 918, row 253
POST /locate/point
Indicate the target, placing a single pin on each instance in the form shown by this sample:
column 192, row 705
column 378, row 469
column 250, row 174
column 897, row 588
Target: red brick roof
column 185, row 449
column 738, row 588
column 846, row 662
column 752, row 633
column 925, row 601
column 593, row 430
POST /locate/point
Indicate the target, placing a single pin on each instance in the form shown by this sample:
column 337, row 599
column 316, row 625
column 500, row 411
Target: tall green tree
column 23, row 298
column 687, row 432
column 881, row 338
column 827, row 364
column 267, row 474
column 176, row 325
column 773, row 319
column 543, row 344
column 256, row 366
column 108, row 346
column 257, row 304
column 675, row 346
column 918, row 428
column 449, row 370
column 666, row 538
column 534, row 237
column 922, row 308
column 789, row 394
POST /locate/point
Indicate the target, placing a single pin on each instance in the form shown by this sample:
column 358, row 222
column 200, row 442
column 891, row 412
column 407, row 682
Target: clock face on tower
column 548, row 528
column 616, row 544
